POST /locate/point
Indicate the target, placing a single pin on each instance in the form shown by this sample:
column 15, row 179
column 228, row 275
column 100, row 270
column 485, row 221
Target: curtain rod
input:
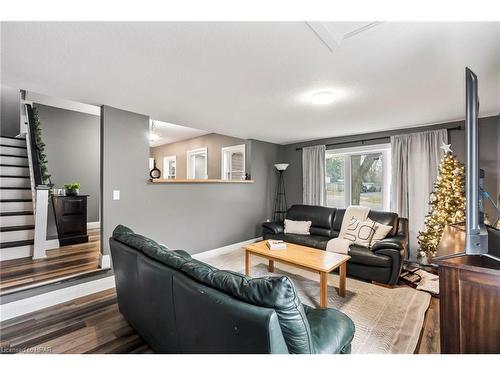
column 362, row 141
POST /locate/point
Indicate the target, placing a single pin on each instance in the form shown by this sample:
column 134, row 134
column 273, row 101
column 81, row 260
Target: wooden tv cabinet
column 469, row 288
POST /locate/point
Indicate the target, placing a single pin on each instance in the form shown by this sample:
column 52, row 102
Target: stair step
column 15, row 188
column 19, row 234
column 15, row 194
column 16, row 252
column 15, row 181
column 13, row 150
column 14, row 171
column 14, row 166
column 16, row 213
column 9, row 219
column 14, row 160
column 12, row 141
column 15, row 156
column 16, row 227
column 14, row 200
column 15, row 146
column 11, row 176
column 5, row 245
column 13, row 206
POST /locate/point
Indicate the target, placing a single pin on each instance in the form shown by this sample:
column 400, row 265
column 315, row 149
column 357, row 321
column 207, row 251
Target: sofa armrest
column 397, row 256
column 397, row 243
column 272, row 227
column 331, row 330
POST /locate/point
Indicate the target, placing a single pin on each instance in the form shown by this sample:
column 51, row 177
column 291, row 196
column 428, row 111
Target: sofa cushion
column 363, row 255
column 386, row 218
column 321, row 217
column 332, row 331
column 318, row 242
column 152, row 249
column 277, row 293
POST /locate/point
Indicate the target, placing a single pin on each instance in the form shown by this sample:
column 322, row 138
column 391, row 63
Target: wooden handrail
column 33, row 148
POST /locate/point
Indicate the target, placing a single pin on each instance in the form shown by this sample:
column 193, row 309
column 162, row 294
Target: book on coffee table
column 276, row 244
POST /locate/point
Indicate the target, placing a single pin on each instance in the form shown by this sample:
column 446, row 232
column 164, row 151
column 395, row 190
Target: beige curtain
column 313, row 175
column 415, row 162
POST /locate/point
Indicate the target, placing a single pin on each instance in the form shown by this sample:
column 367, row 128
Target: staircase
column 16, row 200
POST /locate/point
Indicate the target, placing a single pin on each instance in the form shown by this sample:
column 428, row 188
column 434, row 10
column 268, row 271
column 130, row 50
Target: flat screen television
column 476, row 235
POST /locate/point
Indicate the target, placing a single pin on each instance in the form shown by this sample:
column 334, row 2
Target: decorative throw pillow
column 381, row 231
column 360, row 232
column 297, row 227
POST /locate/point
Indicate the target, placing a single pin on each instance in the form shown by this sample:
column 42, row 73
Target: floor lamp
column 280, row 204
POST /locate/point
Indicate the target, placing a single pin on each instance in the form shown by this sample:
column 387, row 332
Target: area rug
column 388, row 321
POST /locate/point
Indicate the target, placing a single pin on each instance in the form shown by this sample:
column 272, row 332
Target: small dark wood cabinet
column 469, row 288
column 71, row 218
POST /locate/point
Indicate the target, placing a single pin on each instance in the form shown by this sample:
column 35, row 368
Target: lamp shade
column 281, row 167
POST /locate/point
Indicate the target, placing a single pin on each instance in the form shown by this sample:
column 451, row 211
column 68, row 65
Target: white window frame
column 224, row 165
column 385, row 149
column 190, row 169
column 166, row 168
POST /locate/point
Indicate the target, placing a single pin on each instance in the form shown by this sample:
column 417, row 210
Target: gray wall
column 194, row 217
column 489, row 152
column 72, row 148
column 9, row 109
column 213, row 142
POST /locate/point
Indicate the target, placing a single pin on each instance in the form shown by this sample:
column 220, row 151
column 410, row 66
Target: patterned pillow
column 381, row 231
column 360, row 232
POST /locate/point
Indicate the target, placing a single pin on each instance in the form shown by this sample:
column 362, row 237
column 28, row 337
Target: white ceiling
column 170, row 133
column 254, row 80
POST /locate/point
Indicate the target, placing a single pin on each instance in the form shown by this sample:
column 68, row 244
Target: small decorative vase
column 71, row 192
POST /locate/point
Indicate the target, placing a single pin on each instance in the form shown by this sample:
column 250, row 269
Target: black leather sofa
column 381, row 263
column 178, row 304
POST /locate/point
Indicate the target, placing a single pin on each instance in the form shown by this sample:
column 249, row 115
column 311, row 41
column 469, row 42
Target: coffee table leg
column 323, row 291
column 270, row 268
column 342, row 277
column 247, row 263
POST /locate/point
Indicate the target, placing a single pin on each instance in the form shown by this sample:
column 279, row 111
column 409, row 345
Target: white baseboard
column 225, row 249
column 27, row 305
column 93, row 225
column 104, row 261
column 51, row 244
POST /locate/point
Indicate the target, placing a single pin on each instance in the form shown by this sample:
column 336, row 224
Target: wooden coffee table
column 308, row 258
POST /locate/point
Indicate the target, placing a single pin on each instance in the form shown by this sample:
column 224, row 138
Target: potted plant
column 72, row 189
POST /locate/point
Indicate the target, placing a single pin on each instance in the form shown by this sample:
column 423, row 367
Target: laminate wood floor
column 62, row 262
column 90, row 324
column 93, row 324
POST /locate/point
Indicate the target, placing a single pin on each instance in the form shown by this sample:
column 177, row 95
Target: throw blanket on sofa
column 340, row 244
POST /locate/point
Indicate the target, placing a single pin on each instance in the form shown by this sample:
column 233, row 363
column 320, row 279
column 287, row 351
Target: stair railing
column 39, row 191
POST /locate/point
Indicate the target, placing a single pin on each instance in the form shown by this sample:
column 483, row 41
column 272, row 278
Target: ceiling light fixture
column 323, row 97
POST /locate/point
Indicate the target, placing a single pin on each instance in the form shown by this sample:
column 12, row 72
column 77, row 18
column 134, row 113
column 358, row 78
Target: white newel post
column 41, row 211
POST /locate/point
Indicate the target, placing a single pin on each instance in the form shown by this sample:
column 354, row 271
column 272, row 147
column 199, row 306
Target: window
column 233, row 163
column 197, row 164
column 359, row 176
column 169, row 164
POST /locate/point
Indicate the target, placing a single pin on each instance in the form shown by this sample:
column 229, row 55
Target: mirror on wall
column 182, row 153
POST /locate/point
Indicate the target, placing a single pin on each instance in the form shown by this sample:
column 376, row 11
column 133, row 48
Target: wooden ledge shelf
column 197, row 181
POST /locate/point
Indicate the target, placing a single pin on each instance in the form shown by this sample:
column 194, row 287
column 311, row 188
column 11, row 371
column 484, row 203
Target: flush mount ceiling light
column 323, row 97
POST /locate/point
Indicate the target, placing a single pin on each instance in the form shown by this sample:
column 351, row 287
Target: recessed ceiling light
column 323, row 97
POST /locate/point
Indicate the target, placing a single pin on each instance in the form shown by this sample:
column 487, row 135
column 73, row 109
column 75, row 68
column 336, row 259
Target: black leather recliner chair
column 178, row 304
column 381, row 263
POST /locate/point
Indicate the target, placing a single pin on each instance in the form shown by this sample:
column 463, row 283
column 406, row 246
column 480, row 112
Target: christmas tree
column 447, row 202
